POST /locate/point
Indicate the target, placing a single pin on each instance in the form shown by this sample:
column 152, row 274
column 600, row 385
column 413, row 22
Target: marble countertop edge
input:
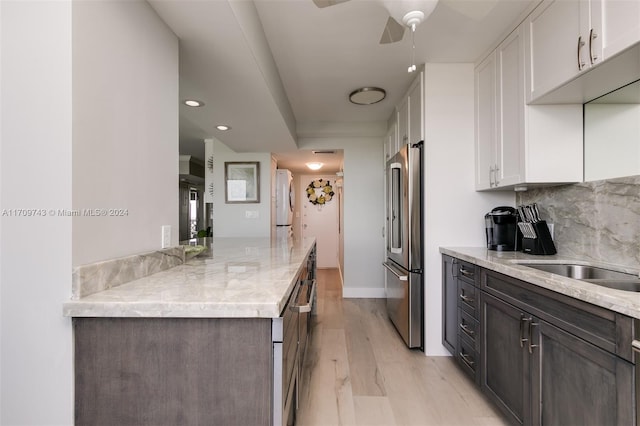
column 243, row 278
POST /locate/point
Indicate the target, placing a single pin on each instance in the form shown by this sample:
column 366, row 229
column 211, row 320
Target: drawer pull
column 465, row 272
column 467, row 299
column 522, row 321
column 464, row 327
column 467, row 359
column 531, row 325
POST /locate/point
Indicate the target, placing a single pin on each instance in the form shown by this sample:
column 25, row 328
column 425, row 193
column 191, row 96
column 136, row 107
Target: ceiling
column 269, row 68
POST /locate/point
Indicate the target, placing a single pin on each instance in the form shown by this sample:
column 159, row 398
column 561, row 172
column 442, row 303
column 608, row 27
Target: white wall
column 35, row 262
column 454, row 215
column 363, row 211
column 125, row 133
column 106, row 139
column 611, row 135
column 229, row 220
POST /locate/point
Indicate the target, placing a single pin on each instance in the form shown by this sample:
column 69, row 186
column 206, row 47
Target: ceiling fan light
column 400, row 10
column 367, row 95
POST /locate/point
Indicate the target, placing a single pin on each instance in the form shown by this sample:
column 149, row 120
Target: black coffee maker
column 501, row 226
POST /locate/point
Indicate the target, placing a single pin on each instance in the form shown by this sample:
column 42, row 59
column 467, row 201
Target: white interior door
column 321, row 220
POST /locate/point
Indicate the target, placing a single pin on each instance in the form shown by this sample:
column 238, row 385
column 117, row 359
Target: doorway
column 320, row 208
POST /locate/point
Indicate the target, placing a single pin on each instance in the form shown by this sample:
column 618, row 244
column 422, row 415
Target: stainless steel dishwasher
column 290, row 334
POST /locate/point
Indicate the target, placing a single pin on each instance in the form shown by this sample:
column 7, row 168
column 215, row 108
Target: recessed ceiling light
column 223, row 127
column 314, row 166
column 193, row 103
column 367, row 95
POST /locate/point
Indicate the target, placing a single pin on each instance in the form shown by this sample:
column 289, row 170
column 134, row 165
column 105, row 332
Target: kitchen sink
column 592, row 274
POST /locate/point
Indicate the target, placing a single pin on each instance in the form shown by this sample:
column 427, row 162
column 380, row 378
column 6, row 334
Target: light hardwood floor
column 359, row 372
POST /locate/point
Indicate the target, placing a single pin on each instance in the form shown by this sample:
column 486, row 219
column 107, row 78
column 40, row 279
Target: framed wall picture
column 242, row 182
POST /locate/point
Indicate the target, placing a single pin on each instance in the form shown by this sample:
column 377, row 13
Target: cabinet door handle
column 592, row 35
column 467, row 299
column 522, row 321
column 465, row 272
column 464, row 327
column 467, row 359
column 531, row 325
column 580, row 44
column 496, row 182
column 491, row 175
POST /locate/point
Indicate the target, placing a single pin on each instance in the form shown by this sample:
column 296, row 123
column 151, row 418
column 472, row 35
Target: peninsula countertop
column 234, row 278
column 508, row 263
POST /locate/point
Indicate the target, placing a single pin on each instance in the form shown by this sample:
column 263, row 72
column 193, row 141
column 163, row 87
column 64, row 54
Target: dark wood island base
column 173, row 371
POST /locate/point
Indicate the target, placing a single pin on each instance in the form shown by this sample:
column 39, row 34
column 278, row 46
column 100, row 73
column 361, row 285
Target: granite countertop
column 624, row 302
column 235, row 278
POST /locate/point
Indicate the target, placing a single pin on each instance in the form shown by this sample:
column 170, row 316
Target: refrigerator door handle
column 394, row 270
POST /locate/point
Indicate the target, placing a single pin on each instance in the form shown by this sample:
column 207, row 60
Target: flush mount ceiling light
column 367, row 95
column 193, row 103
column 223, row 127
column 314, row 166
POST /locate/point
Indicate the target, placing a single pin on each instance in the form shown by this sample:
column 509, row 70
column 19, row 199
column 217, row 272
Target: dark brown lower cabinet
column 172, row 371
column 506, row 363
column 539, row 374
column 578, row 383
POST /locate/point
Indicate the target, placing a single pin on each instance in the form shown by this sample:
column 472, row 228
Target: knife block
column 542, row 244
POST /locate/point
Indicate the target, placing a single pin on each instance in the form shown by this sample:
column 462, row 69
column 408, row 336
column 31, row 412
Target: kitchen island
column 211, row 341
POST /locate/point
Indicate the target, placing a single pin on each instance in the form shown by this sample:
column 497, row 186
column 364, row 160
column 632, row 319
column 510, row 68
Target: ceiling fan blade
column 327, row 3
column 393, row 32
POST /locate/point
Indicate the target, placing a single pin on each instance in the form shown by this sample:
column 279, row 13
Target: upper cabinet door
column 403, row 123
column 616, row 24
column 510, row 109
column 557, row 50
column 416, row 115
column 485, row 122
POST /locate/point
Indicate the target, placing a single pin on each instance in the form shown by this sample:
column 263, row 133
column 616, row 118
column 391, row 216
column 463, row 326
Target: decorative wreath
column 319, row 192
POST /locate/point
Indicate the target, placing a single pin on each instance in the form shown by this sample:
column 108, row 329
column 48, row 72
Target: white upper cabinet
column 552, row 39
column 618, row 22
column 485, row 122
column 410, row 113
column 416, row 109
column 499, row 115
column 519, row 144
column 568, row 37
column 510, row 110
column 391, row 142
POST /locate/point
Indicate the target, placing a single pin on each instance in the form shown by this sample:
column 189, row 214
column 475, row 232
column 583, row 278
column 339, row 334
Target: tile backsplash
column 598, row 220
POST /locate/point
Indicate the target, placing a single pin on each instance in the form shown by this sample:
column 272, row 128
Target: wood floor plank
column 366, row 379
column 359, row 372
column 373, row 411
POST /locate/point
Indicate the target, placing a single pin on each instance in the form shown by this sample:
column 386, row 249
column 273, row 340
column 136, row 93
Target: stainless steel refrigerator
column 404, row 262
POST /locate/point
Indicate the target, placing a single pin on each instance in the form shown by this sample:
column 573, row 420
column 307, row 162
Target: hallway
column 359, row 372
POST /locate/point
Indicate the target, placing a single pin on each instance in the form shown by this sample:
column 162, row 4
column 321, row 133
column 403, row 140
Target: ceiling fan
column 403, row 14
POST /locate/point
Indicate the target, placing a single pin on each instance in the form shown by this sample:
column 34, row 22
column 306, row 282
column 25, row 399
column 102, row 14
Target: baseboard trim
column 363, row 293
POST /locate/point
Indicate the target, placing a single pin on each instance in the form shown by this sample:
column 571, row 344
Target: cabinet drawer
column 468, row 360
column 469, row 328
column 467, row 272
column 602, row 327
column 468, row 298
